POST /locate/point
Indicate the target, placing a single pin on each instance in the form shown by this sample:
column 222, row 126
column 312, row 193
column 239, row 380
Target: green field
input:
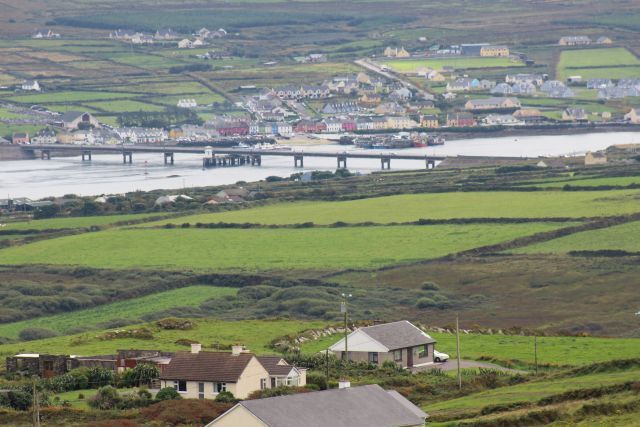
column 556, row 351
column 528, row 392
column 612, row 63
column 412, row 65
column 624, row 237
column 131, row 309
column 76, row 222
column 75, row 96
column 411, row 207
column 265, row 249
column 125, row 105
column 620, row 181
column 212, row 334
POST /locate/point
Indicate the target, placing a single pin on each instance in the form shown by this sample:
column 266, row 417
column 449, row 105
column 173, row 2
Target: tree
column 44, row 212
column 106, row 398
column 141, row 374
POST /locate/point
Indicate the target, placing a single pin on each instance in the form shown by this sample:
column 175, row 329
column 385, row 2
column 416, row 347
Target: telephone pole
column 36, row 406
column 344, row 309
column 458, row 352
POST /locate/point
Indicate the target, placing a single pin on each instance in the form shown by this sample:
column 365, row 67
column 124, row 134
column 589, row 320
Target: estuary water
column 107, row 175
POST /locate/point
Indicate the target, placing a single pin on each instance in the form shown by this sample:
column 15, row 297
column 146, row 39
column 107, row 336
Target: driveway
column 452, row 365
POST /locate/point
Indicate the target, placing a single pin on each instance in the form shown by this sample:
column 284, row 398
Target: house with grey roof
column 400, row 342
column 76, row 119
column 282, row 373
column 363, row 406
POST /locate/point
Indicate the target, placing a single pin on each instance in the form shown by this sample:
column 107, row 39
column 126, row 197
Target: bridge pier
column 256, row 160
column 342, row 161
column 45, row 155
column 127, row 157
column 168, row 158
column 431, row 164
column 298, row 159
column 86, row 155
column 385, row 162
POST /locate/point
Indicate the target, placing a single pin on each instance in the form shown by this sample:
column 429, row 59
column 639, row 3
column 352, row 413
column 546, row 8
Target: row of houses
column 582, row 40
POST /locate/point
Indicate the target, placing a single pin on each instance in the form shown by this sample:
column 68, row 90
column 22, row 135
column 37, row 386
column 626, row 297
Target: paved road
column 452, row 365
column 373, row 67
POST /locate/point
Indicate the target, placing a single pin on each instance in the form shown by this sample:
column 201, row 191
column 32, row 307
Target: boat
column 435, row 140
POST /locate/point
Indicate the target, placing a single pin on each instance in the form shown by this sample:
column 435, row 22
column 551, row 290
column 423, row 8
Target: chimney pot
column 195, row 348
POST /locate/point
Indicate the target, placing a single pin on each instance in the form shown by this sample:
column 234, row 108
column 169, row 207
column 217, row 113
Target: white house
column 187, row 103
column 32, row 85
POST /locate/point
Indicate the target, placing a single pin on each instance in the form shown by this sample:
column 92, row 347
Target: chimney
column 344, row 384
column 195, row 348
column 237, row 349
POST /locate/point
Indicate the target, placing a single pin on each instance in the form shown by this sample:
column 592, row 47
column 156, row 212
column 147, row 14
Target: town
column 262, row 213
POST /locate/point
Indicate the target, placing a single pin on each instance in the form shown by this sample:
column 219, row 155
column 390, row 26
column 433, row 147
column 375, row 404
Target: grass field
column 411, row 207
column 212, row 334
column 265, row 249
column 587, row 182
column 610, row 63
column 624, row 237
column 131, row 309
column 412, row 65
column 529, row 392
column 125, row 105
column 75, row 96
column 572, row 351
column 75, row 222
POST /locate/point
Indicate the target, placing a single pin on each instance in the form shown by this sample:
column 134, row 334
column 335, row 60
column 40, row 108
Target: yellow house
column 402, row 53
column 494, row 51
column 391, row 52
column 203, row 374
column 400, row 122
column 429, row 121
column 346, row 406
column 595, row 159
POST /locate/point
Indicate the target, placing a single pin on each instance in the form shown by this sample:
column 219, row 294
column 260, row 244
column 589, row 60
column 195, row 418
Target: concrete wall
column 14, row 152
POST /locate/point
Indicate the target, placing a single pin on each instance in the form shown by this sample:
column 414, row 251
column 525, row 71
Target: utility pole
column 343, row 308
column 535, row 351
column 458, row 352
column 36, row 406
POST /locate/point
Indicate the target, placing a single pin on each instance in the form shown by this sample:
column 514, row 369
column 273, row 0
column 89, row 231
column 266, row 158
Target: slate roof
column 206, row 366
column 271, row 364
column 396, row 335
column 364, row 406
column 70, row 116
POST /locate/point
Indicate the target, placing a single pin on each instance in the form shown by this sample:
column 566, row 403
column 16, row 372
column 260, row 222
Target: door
column 409, row 357
column 200, row 390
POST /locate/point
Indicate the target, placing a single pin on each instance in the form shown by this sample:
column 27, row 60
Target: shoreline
column 524, row 131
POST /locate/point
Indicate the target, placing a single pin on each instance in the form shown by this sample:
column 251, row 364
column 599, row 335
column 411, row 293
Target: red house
column 460, row 120
column 349, row 125
column 309, row 126
column 232, row 128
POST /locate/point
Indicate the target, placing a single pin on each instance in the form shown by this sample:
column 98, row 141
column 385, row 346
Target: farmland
column 411, row 207
column 360, row 247
column 619, row 238
column 80, row 222
column 412, row 65
column 611, row 63
column 132, row 309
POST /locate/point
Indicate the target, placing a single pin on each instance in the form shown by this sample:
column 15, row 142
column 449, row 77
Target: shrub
column 277, row 391
column 168, row 393
column 184, row 412
column 106, row 398
column 317, row 379
column 225, row 397
column 31, row 334
column 425, row 303
column 99, row 377
column 141, row 374
column 430, row 286
column 171, row 323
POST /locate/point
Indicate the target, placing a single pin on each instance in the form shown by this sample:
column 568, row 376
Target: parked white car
column 440, row 357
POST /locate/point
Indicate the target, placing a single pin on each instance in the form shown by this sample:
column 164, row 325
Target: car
column 440, row 357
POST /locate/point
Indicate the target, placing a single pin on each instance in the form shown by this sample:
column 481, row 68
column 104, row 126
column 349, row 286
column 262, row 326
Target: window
column 397, row 355
column 220, row 387
column 180, row 386
column 373, row 357
column 423, row 351
column 263, row 383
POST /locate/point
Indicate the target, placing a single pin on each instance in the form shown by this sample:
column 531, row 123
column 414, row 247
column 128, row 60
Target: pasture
column 411, row 66
column 619, row 238
column 128, row 310
column 411, row 207
column 612, row 63
column 265, row 249
column 77, row 222
column 212, row 334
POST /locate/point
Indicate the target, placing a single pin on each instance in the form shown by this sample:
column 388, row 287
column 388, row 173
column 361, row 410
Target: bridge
column 221, row 157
